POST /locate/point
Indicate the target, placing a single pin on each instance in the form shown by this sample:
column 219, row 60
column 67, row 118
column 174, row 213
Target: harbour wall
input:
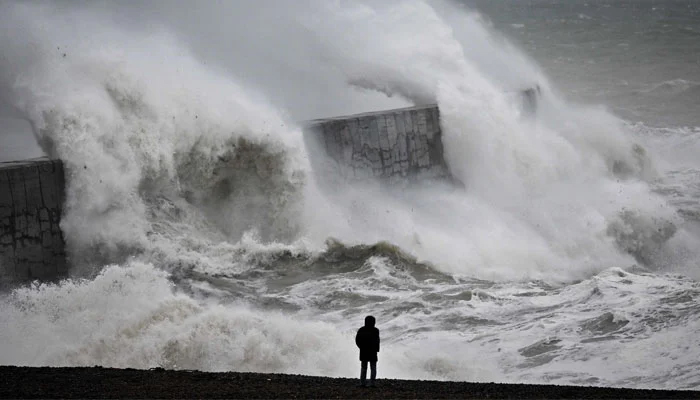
column 31, row 243
column 390, row 146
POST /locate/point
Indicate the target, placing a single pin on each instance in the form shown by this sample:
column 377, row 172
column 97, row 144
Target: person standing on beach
column 367, row 339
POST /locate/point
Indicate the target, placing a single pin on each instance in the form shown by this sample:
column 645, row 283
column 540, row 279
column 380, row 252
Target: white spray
column 173, row 164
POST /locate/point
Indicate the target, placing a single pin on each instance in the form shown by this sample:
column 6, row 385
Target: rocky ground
column 96, row 382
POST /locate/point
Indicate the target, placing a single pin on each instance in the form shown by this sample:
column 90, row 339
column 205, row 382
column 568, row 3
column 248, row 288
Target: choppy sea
column 202, row 238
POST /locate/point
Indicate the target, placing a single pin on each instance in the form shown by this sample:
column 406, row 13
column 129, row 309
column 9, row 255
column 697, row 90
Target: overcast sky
column 263, row 44
column 308, row 58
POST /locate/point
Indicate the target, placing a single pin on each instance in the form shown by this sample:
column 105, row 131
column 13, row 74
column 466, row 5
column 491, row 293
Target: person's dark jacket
column 367, row 339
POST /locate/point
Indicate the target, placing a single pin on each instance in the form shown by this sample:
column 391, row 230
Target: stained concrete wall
column 391, row 146
column 31, row 242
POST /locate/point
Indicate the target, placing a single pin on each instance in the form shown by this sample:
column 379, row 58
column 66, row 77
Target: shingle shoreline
column 96, row 382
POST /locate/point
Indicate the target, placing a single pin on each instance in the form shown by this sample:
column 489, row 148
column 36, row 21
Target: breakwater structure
column 401, row 145
column 31, row 242
column 394, row 146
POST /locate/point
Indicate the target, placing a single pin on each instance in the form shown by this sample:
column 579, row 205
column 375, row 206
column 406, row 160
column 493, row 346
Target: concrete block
column 404, row 143
column 31, row 201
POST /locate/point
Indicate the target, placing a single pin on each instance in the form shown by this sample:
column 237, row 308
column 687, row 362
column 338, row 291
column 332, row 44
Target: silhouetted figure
column 367, row 339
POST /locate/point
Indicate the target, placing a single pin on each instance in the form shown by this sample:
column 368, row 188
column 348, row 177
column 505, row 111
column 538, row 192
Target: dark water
column 204, row 242
column 641, row 58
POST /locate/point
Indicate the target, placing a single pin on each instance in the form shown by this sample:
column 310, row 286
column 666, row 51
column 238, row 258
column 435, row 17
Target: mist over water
column 201, row 237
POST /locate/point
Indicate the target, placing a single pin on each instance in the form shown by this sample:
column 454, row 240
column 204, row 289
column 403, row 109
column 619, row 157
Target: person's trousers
column 363, row 371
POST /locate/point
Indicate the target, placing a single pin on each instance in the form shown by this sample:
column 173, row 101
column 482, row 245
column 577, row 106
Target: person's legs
column 373, row 374
column 363, row 372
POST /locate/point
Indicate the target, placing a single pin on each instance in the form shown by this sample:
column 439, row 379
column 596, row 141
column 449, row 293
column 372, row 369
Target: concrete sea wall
column 31, row 242
column 390, row 146
column 394, row 145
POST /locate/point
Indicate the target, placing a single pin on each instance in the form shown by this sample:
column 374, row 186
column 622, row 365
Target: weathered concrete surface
column 393, row 145
column 31, row 242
